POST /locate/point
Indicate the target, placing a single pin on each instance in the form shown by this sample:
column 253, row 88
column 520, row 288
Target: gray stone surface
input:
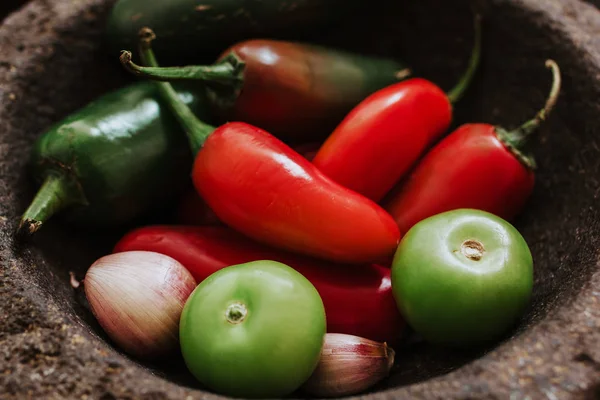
column 52, row 62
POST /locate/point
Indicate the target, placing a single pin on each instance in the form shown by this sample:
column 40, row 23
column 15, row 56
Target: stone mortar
column 51, row 63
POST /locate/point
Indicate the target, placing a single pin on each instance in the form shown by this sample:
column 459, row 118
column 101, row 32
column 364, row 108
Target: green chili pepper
column 111, row 161
column 212, row 25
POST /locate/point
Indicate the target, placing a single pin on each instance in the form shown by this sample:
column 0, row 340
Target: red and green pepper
column 273, row 194
column 293, row 90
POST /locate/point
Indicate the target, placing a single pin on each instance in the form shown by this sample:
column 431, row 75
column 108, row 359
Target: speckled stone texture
column 52, row 62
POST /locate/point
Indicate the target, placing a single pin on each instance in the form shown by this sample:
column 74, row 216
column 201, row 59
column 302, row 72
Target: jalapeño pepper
column 382, row 138
column 293, row 90
column 478, row 166
column 110, row 161
column 212, row 25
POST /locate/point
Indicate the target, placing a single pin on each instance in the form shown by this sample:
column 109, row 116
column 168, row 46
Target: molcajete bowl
column 52, row 62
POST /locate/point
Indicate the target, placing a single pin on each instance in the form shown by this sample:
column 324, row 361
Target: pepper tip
column 550, row 63
column 27, row 228
column 125, row 57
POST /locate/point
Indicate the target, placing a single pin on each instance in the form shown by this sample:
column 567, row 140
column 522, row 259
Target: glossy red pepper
column 261, row 187
column 477, row 166
column 295, row 90
column 193, row 210
column 358, row 299
column 274, row 195
column 384, row 135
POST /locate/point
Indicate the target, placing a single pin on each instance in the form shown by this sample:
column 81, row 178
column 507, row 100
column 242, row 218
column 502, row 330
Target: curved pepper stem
column 56, row 193
column 455, row 94
column 520, row 136
column 227, row 71
column 517, row 139
column 225, row 76
column 196, row 130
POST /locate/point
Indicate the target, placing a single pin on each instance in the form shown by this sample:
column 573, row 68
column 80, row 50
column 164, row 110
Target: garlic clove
column 137, row 297
column 349, row 365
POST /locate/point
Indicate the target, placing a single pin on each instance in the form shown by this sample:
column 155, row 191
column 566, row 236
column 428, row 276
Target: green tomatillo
column 462, row 277
column 253, row 330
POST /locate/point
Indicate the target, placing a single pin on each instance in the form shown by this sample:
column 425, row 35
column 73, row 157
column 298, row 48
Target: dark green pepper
column 113, row 160
column 212, row 25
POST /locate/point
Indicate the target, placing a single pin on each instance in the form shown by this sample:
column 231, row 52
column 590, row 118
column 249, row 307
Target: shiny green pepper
column 188, row 29
column 111, row 161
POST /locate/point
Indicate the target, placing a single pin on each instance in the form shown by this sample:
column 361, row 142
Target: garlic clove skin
column 137, row 297
column 349, row 365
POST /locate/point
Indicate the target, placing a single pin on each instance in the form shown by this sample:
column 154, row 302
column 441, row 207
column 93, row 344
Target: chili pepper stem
column 517, row 139
column 196, row 130
column 456, row 93
column 228, row 71
column 226, row 76
column 56, row 193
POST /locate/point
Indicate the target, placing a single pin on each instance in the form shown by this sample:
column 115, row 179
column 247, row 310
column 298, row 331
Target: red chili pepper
column 358, row 299
column 477, row 166
column 272, row 194
column 382, row 137
column 193, row 210
column 261, row 187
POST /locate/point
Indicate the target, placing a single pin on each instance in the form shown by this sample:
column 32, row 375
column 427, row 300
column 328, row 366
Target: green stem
column 224, row 80
column 196, row 130
column 456, row 93
column 519, row 137
column 227, row 71
column 56, row 193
